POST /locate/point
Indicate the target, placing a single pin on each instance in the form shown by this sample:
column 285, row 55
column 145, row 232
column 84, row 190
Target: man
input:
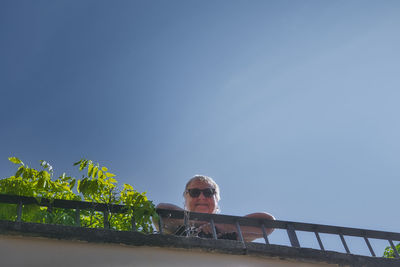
column 201, row 194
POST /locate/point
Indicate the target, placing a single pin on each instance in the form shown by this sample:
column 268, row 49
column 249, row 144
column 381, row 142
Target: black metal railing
column 188, row 217
column 106, row 209
column 291, row 228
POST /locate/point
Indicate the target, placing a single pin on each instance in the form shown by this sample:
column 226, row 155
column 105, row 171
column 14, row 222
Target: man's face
column 200, row 203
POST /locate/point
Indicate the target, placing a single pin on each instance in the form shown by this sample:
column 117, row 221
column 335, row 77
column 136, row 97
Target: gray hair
column 207, row 180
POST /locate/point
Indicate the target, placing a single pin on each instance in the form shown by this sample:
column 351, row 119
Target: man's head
column 201, row 195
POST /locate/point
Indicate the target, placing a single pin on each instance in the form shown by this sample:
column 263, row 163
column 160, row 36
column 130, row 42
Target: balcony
column 33, row 244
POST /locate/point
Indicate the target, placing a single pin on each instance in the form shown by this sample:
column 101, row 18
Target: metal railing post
column 77, row 217
column 396, row 254
column 186, row 215
column 160, row 224
column 319, row 241
column 369, row 247
column 214, row 232
column 264, row 234
column 292, row 235
column 133, row 223
column 241, row 239
column 19, row 211
column 105, row 220
column 344, row 243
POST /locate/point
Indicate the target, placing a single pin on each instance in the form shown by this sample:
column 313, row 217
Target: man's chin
column 202, row 209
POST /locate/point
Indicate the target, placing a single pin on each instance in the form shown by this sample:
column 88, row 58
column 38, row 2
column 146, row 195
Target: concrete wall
column 44, row 252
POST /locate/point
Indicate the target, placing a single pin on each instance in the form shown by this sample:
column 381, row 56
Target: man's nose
column 201, row 196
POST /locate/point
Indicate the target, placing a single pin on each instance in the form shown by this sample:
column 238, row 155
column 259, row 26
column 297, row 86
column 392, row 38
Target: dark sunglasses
column 195, row 192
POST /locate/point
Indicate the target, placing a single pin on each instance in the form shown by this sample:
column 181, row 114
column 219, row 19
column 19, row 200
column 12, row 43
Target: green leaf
column 78, row 186
column 45, row 175
column 41, row 182
column 72, row 184
column 95, row 169
column 90, row 169
column 15, row 160
column 128, row 187
column 112, row 180
column 104, row 169
column 20, row 171
column 83, row 164
column 109, row 174
column 81, row 184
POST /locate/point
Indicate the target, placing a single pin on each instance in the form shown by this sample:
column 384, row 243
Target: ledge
column 189, row 243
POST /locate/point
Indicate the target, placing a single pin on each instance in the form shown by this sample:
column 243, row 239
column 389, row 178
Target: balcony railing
column 188, row 217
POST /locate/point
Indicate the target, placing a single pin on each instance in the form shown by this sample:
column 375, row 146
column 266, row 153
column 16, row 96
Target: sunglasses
column 195, row 192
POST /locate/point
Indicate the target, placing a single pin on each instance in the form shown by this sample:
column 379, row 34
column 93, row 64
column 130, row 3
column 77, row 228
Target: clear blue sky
column 291, row 106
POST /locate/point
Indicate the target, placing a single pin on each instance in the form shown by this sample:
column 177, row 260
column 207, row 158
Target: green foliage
column 389, row 253
column 97, row 185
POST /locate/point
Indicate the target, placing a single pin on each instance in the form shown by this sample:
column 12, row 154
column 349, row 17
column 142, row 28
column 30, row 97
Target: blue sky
column 291, row 106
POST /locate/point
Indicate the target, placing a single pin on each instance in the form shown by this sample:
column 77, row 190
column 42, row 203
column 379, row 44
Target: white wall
column 43, row 252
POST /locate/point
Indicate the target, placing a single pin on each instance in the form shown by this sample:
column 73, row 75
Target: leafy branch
column 389, row 253
column 97, row 185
